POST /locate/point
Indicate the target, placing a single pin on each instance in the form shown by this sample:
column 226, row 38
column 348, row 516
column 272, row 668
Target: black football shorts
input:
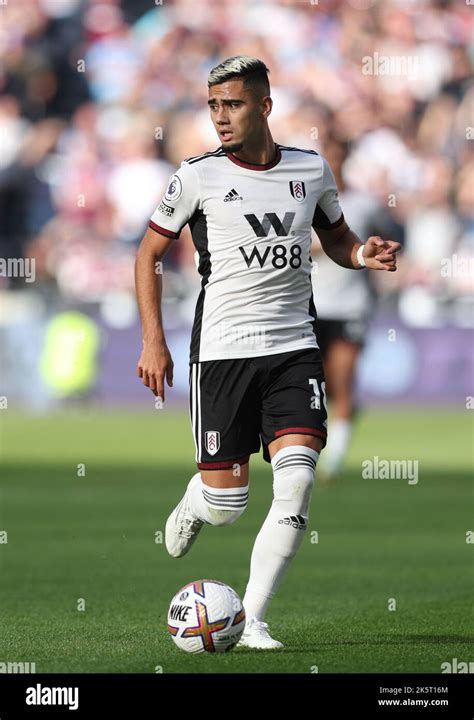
column 235, row 404
column 328, row 331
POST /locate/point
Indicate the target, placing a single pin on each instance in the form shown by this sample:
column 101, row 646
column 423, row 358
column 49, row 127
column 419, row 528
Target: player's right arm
column 177, row 206
column 155, row 361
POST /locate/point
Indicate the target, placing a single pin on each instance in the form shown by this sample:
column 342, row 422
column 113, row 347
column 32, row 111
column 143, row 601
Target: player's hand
column 381, row 254
column 154, row 365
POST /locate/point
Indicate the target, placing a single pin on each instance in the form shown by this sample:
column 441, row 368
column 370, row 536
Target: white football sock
column 339, row 436
column 284, row 528
column 217, row 506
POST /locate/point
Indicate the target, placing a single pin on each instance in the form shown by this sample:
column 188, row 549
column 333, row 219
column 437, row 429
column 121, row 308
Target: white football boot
column 182, row 526
column 256, row 635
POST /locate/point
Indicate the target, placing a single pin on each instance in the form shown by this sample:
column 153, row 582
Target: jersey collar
column 256, row 166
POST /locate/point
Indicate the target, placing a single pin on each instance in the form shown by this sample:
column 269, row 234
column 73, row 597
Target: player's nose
column 221, row 116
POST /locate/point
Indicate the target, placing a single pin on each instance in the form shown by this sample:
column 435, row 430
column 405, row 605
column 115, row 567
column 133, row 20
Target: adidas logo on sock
column 296, row 521
column 232, row 195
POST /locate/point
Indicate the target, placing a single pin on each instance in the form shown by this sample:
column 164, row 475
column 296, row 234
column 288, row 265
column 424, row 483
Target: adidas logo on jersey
column 232, row 195
column 296, row 521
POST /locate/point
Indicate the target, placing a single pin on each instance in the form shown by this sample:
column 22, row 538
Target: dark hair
column 251, row 70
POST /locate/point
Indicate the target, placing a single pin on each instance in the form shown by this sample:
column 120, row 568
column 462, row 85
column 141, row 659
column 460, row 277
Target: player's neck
column 261, row 154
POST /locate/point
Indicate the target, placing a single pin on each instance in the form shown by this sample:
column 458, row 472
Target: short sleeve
column 328, row 213
column 178, row 204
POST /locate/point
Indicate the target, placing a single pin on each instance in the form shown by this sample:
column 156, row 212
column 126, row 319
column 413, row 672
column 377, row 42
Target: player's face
column 237, row 114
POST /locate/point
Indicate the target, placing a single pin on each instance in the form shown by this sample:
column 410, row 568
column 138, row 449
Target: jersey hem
column 232, row 355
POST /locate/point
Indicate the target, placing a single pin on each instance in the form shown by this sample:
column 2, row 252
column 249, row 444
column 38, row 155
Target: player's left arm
column 337, row 239
column 341, row 245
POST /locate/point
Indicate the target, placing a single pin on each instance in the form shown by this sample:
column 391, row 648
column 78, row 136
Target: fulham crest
column 213, row 441
column 297, row 189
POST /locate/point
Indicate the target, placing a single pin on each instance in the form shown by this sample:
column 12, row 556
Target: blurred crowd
column 101, row 100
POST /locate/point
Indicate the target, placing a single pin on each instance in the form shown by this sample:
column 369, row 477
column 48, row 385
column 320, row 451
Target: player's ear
column 267, row 105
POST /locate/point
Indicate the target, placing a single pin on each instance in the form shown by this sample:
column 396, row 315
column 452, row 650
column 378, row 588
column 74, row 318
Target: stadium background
column 100, row 102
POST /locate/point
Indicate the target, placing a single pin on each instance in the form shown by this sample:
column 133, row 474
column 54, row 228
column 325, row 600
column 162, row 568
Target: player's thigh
column 225, row 418
column 232, row 477
column 294, row 409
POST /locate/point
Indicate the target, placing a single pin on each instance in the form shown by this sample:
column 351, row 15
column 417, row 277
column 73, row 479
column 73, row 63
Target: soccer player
column 255, row 374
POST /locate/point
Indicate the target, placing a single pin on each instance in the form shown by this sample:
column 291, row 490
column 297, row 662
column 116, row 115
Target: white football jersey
column 251, row 226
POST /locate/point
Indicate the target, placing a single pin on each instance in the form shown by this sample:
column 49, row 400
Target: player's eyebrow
column 211, row 101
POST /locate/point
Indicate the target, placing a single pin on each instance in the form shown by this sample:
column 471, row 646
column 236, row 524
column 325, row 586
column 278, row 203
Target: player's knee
column 295, row 488
column 293, row 478
column 225, row 505
column 224, row 517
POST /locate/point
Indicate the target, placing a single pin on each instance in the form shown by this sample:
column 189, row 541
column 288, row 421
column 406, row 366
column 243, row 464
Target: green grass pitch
column 92, row 536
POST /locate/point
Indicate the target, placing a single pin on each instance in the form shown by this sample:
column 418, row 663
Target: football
column 206, row 616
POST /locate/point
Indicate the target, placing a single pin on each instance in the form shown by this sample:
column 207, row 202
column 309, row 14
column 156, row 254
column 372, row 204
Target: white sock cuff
column 294, row 455
column 225, row 498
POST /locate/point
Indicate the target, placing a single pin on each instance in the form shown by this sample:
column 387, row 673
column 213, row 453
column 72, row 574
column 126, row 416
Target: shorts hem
column 294, row 431
column 223, row 464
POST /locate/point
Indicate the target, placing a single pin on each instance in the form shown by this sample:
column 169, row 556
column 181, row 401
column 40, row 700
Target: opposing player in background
column 255, row 367
column 345, row 302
